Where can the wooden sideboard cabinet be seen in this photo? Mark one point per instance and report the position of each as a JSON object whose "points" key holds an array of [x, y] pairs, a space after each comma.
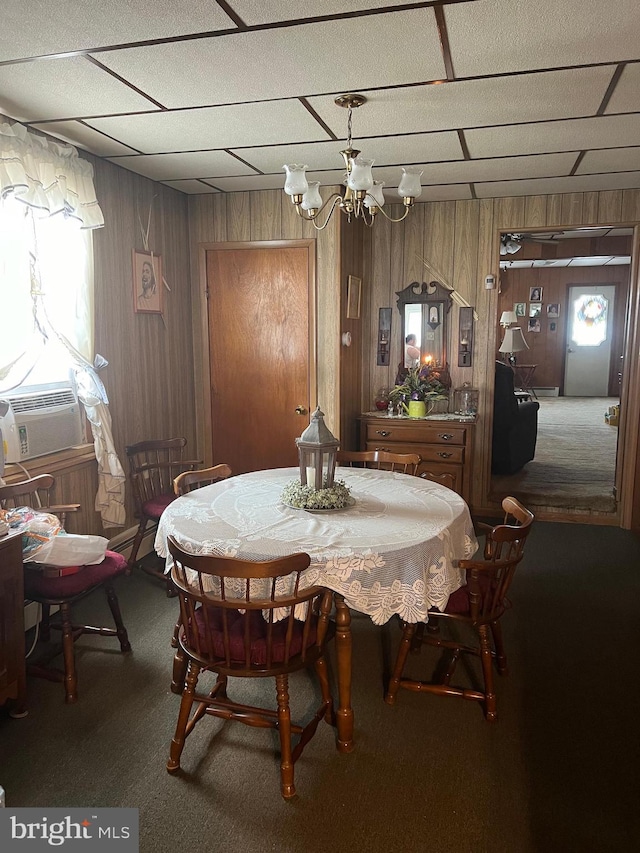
{"points": [[13, 684], [445, 446]]}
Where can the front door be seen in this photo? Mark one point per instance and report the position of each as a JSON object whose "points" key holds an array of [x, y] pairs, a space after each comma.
{"points": [[590, 322], [260, 319]]}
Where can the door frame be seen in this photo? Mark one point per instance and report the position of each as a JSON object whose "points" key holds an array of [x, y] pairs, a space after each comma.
{"points": [[204, 426]]}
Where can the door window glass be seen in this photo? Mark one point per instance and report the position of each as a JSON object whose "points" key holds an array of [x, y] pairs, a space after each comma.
{"points": [[590, 319]]}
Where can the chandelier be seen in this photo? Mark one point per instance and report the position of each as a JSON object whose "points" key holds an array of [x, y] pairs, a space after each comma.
{"points": [[362, 197]]}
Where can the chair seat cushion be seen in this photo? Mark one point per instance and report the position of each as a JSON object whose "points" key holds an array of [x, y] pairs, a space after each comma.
{"points": [[459, 603], [156, 506], [258, 634], [37, 585]]}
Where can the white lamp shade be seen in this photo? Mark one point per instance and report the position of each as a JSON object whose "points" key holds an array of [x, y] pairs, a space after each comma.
{"points": [[507, 318], [312, 200], [360, 177], [513, 340], [296, 181], [409, 186], [375, 196]]}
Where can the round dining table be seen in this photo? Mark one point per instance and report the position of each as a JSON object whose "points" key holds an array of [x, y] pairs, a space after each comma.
{"points": [[394, 550]]}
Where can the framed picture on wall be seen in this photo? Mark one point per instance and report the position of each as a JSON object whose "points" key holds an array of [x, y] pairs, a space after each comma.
{"points": [[553, 326], [534, 325], [147, 283], [535, 310], [520, 309], [354, 297], [553, 309], [535, 294]]}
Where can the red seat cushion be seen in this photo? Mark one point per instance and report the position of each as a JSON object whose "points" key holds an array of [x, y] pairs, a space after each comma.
{"points": [[156, 506], [36, 585], [258, 633], [458, 602]]}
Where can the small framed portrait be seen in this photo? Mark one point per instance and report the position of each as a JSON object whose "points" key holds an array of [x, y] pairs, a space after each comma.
{"points": [[553, 326], [553, 309], [534, 325], [535, 294], [147, 283], [535, 310], [354, 297], [520, 309]]}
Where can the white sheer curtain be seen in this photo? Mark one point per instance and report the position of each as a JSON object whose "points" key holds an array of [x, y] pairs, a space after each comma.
{"points": [[48, 208]]}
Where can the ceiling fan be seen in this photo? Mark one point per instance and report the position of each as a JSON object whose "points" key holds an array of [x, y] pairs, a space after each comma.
{"points": [[512, 243]]}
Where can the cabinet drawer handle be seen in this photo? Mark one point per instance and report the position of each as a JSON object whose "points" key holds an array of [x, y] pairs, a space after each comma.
{"points": [[444, 454], [445, 436], [383, 432], [383, 448]]}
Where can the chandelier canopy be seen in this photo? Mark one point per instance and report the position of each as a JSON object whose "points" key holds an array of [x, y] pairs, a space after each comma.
{"points": [[362, 197]]}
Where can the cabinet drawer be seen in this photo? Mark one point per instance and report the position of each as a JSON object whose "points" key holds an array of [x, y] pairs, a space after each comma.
{"points": [[432, 434], [453, 454]]}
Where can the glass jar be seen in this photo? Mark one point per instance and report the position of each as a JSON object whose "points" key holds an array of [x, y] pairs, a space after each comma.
{"points": [[382, 399], [465, 400]]}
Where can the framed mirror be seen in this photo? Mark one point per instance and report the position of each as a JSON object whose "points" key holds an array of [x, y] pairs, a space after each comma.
{"points": [[424, 310]]}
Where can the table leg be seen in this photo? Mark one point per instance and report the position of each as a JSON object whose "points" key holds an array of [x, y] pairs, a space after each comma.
{"points": [[344, 716]]}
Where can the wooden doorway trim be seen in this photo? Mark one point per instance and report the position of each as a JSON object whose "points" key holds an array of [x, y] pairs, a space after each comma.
{"points": [[204, 426], [628, 443]]}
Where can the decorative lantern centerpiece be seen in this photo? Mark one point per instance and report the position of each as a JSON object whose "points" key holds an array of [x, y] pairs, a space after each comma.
{"points": [[316, 488]]}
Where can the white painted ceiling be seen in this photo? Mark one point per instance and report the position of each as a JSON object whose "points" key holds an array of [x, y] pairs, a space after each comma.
{"points": [[492, 98]]}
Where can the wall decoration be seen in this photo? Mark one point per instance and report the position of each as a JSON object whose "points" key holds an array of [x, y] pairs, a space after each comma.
{"points": [[535, 310], [520, 309], [553, 309], [553, 327], [354, 297], [535, 294], [147, 283], [384, 335], [534, 325], [465, 343]]}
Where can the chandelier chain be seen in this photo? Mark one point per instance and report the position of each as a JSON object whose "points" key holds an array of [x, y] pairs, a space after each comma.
{"points": [[349, 127]]}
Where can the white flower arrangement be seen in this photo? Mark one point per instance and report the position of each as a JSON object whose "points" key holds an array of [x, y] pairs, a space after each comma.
{"points": [[304, 497]]}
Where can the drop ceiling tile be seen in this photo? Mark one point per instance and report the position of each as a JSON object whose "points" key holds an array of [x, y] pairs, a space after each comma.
{"points": [[326, 155], [496, 36], [190, 187], [193, 164], [547, 186], [254, 12], [285, 62], [499, 169], [443, 192], [473, 103], [63, 88], [244, 184], [77, 133], [626, 95], [613, 160], [213, 127], [542, 137], [94, 23]]}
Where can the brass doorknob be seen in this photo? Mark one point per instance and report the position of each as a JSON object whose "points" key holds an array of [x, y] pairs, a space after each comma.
{"points": [[300, 410]]}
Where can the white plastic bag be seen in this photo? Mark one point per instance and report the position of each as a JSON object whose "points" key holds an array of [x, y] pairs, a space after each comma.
{"points": [[70, 549]]}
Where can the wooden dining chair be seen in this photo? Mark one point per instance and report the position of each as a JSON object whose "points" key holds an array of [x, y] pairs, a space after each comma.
{"points": [[50, 587], [237, 620], [476, 607], [190, 480], [406, 463], [153, 466]]}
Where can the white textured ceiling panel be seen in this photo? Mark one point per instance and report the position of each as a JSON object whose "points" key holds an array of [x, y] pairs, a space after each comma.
{"points": [[216, 127], [546, 186], [63, 88], [76, 133], [542, 137], [410, 149], [473, 103], [626, 96], [190, 187], [244, 184], [72, 25], [496, 36], [284, 62], [196, 164], [254, 12], [614, 160], [499, 169]]}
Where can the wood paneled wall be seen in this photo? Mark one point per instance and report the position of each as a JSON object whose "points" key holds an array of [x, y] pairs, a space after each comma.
{"points": [[267, 215], [460, 239]]}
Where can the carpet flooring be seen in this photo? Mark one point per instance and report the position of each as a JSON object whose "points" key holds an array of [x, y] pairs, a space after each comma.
{"points": [[574, 465], [558, 773]]}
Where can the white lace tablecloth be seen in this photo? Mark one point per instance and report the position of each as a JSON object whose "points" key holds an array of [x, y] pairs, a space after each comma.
{"points": [[394, 551]]}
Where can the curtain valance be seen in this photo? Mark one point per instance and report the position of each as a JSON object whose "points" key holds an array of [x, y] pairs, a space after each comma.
{"points": [[47, 176]]}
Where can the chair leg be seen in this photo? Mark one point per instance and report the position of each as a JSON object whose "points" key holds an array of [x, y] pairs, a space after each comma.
{"points": [[179, 672], [70, 678], [137, 542], [401, 659], [45, 627], [498, 642], [284, 728], [177, 744], [490, 707], [327, 698], [114, 606]]}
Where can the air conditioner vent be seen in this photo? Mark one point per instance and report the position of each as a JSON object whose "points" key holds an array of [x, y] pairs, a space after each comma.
{"points": [[33, 402]]}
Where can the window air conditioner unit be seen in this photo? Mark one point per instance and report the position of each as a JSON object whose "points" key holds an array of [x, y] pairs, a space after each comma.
{"points": [[40, 421]]}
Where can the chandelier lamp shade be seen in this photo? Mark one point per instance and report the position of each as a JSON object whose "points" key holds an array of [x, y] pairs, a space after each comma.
{"points": [[509, 244], [362, 197], [512, 343]]}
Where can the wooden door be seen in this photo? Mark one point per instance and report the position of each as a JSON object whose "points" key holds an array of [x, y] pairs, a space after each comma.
{"points": [[587, 364], [261, 349]]}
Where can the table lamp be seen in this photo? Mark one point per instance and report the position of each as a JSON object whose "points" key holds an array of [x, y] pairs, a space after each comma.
{"points": [[512, 343], [507, 318]]}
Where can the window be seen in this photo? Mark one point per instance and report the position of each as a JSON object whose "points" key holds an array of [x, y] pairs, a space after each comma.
{"points": [[590, 320]]}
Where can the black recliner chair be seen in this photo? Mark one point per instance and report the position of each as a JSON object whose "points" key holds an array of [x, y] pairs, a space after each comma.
{"points": [[515, 425]]}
